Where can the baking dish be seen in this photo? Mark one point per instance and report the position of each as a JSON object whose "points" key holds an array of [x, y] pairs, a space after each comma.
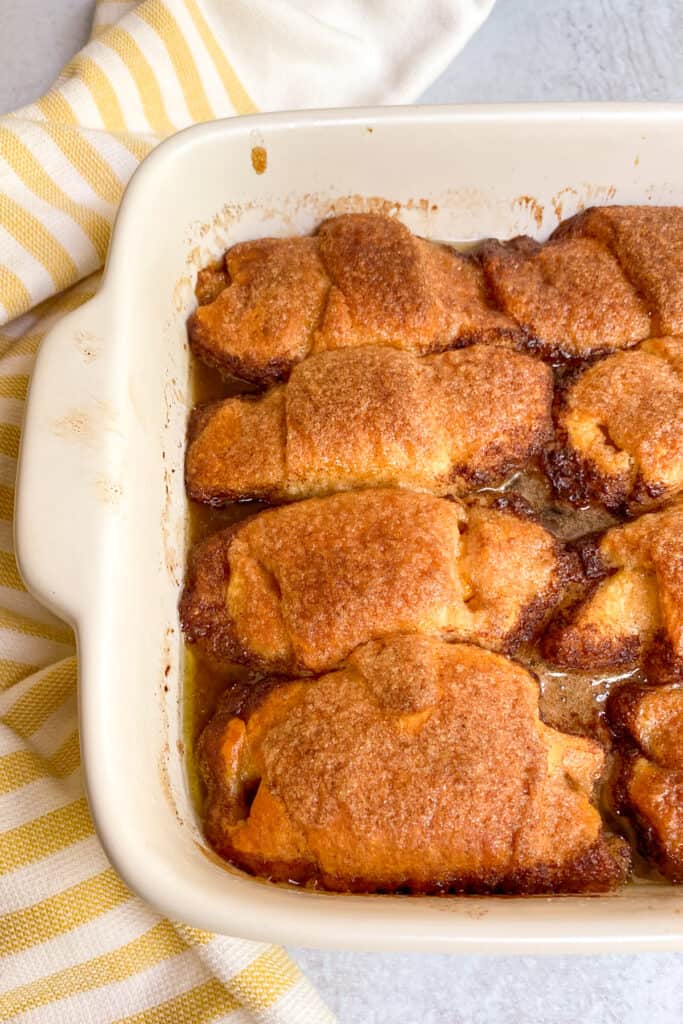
{"points": [[101, 512]]}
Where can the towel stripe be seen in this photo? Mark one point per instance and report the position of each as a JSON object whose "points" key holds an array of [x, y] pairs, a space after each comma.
{"points": [[22, 767], [6, 502], [123, 44], [27, 167], [62, 912], [99, 175], [164, 24], [14, 295], [34, 708], [159, 943], [104, 96], [9, 440], [9, 574], [45, 835], [38, 241], [14, 386], [60, 634], [12, 672], [266, 978], [236, 92], [205, 1002], [56, 109]]}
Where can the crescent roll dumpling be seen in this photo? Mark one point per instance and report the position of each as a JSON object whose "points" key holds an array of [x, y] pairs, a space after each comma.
{"points": [[419, 766], [297, 588], [375, 417], [633, 614], [648, 242], [570, 295], [649, 790], [621, 429], [364, 279]]}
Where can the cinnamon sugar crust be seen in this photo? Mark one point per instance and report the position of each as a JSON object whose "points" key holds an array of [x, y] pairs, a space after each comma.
{"points": [[262, 323], [375, 417], [338, 780], [648, 243], [570, 295], [296, 589]]}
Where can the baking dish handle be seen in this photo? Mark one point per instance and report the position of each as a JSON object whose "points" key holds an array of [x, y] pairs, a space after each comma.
{"points": [[68, 450]]}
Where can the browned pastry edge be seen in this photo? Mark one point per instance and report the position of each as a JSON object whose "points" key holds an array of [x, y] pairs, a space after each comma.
{"points": [[648, 842], [568, 226], [587, 874], [211, 280], [588, 651], [620, 706], [476, 478], [569, 571], [228, 366], [275, 371], [218, 640], [575, 480], [198, 418], [473, 479], [660, 663], [517, 504]]}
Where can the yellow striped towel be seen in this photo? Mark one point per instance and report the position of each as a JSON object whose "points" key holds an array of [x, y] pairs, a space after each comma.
{"points": [[75, 944]]}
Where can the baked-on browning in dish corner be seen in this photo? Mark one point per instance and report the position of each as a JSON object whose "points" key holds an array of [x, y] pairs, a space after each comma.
{"points": [[649, 788], [419, 766], [633, 611], [375, 417], [363, 279], [569, 295], [620, 429], [297, 588], [648, 242]]}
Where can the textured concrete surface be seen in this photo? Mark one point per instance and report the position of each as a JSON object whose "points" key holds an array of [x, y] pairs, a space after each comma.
{"points": [[528, 50]]}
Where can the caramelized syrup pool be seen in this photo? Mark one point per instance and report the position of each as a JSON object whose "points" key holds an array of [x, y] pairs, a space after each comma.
{"points": [[571, 701]]}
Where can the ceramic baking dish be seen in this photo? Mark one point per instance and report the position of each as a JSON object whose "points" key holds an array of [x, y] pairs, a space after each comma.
{"points": [[101, 512]]}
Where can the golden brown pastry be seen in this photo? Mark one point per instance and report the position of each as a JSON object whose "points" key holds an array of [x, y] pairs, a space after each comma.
{"points": [[375, 417], [419, 766], [569, 295], [296, 589], [649, 789], [648, 242], [633, 611], [364, 279], [620, 428]]}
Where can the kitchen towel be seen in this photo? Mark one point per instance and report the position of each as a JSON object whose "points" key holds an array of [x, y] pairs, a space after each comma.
{"points": [[75, 944]]}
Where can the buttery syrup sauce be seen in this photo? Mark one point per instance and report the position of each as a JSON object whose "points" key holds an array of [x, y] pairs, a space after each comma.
{"points": [[572, 702]]}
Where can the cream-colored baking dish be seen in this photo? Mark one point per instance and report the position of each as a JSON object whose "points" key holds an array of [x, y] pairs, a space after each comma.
{"points": [[101, 512]]}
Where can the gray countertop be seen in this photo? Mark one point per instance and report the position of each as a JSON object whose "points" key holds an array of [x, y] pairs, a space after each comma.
{"points": [[528, 50]]}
